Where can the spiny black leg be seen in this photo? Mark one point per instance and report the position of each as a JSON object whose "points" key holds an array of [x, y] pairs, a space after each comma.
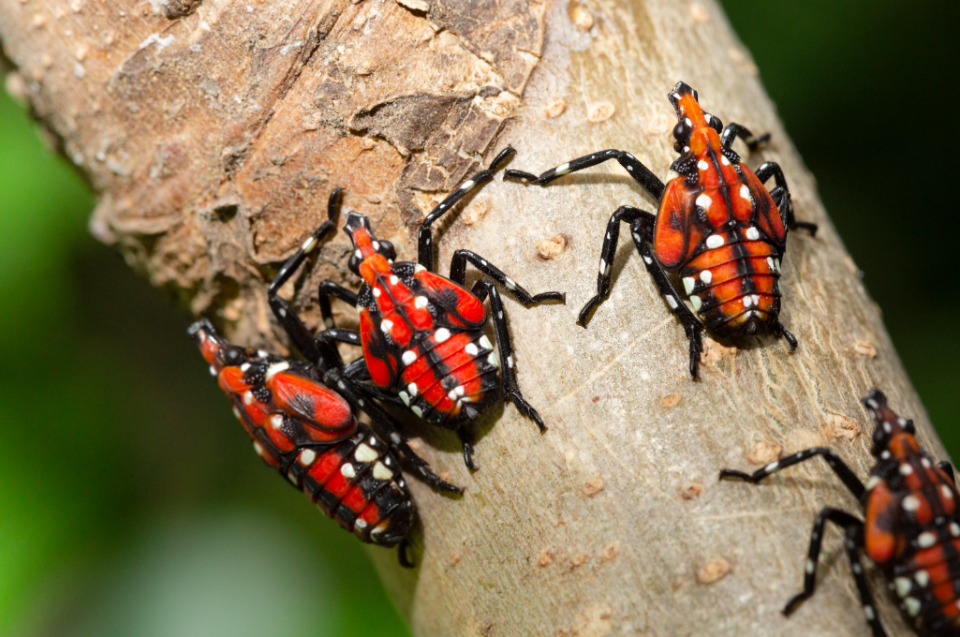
{"points": [[458, 274], [630, 215], [640, 173], [357, 369], [840, 518], [350, 337], [691, 324], [781, 195], [327, 289], [403, 553], [467, 442], [383, 421], [780, 330], [732, 131], [854, 541], [425, 239], [508, 375], [846, 475]]}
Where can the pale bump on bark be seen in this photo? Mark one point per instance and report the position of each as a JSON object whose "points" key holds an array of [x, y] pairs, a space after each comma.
{"points": [[213, 132]]}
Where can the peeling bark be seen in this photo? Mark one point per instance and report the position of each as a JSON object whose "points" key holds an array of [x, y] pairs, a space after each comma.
{"points": [[213, 133]]}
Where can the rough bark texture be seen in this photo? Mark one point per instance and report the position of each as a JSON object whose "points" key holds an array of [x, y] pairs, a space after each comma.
{"points": [[213, 132]]}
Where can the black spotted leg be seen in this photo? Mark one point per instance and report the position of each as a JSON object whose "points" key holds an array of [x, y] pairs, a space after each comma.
{"points": [[846, 475], [425, 238], [458, 274], [733, 130], [853, 539], [508, 373], [330, 289], [781, 196], [640, 173]]}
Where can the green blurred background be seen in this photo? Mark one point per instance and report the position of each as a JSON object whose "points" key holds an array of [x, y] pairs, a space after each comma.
{"points": [[131, 505]]}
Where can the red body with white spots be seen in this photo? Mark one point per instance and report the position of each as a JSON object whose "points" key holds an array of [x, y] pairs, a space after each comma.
{"points": [[912, 528], [309, 434], [719, 228], [422, 336]]}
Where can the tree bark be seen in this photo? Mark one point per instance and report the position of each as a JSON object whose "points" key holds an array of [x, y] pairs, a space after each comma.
{"points": [[213, 132]]}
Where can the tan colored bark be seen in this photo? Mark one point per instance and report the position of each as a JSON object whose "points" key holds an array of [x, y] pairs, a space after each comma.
{"points": [[213, 132]]}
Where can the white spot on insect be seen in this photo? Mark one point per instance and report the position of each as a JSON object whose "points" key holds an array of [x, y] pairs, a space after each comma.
{"points": [[672, 174], [510, 361], [245, 367], [925, 462], [745, 193], [307, 456], [309, 244], [328, 323], [706, 276], [884, 455], [377, 292], [871, 403], [857, 569], [395, 437], [922, 578], [696, 302], [471, 349], [868, 613], [381, 472], [236, 412], [213, 370], [672, 302], [467, 185], [348, 471], [910, 503], [747, 301], [485, 342], [511, 285], [409, 357], [771, 467], [647, 260], [947, 493], [603, 266], [702, 165], [365, 454], [258, 448], [493, 359], [405, 397], [386, 325], [873, 481], [276, 421], [688, 122], [905, 469], [420, 302], [441, 335], [341, 384], [926, 539], [756, 299], [358, 254], [419, 268], [715, 241], [811, 567], [689, 283], [955, 529], [360, 523], [562, 169], [724, 160], [275, 369], [413, 389], [887, 428], [247, 398], [752, 233], [913, 606], [704, 201], [292, 478], [417, 411]]}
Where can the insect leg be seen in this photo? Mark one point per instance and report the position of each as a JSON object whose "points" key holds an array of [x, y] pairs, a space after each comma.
{"points": [[466, 440], [425, 239], [327, 289], [381, 419], [854, 540], [780, 330], [732, 131], [840, 468], [947, 467], [640, 173], [458, 274], [781, 195], [642, 232], [508, 375], [627, 214], [404, 553]]}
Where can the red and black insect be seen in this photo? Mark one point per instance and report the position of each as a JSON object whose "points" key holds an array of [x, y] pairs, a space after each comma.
{"points": [[423, 334], [911, 528], [717, 227]]}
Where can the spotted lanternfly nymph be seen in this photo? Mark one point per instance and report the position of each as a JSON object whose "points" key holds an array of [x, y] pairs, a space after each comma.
{"points": [[911, 528], [423, 334], [717, 227]]}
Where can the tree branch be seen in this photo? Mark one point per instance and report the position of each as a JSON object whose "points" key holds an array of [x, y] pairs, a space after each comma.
{"points": [[214, 131]]}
